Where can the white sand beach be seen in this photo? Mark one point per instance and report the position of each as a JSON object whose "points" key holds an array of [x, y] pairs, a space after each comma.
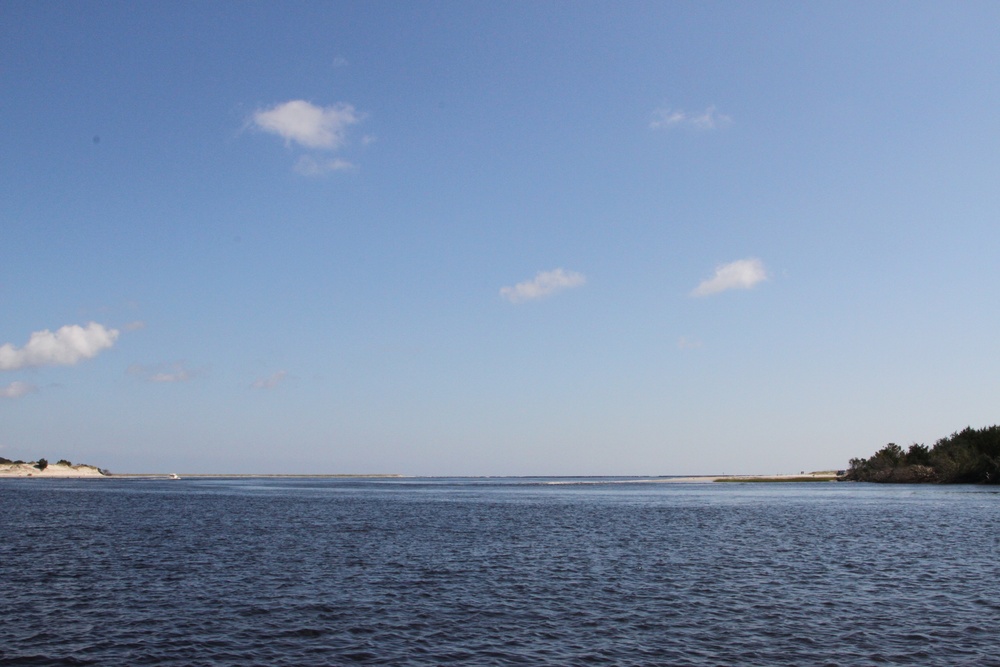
{"points": [[52, 470]]}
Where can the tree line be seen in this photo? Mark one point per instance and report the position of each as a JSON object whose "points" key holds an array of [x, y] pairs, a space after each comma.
{"points": [[970, 456]]}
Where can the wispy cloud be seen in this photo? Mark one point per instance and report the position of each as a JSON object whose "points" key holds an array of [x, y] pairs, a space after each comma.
{"points": [[741, 274], [17, 390], [169, 372], [271, 381], [709, 119], [137, 325], [310, 166], [545, 283], [308, 125], [685, 343], [67, 346]]}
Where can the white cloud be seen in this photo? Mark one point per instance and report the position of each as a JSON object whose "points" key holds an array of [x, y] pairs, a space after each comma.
{"points": [[543, 284], [271, 381], [178, 375], [67, 346], [307, 124], [741, 274], [709, 119], [310, 166], [173, 372], [17, 390], [685, 343]]}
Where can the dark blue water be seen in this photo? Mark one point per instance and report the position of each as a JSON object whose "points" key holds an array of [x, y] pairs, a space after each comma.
{"points": [[496, 572]]}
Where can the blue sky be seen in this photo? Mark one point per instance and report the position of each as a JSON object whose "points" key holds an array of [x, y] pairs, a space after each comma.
{"points": [[478, 238]]}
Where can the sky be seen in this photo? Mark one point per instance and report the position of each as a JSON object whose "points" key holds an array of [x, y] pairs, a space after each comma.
{"points": [[520, 238]]}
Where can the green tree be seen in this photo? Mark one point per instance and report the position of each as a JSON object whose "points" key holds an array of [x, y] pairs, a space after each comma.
{"points": [[968, 456], [42, 464], [890, 455], [918, 455]]}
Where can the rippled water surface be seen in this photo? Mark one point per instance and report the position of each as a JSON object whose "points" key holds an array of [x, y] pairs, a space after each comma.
{"points": [[496, 572]]}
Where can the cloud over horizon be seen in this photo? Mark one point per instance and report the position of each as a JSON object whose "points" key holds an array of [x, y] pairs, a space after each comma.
{"points": [[308, 125], [67, 346], [545, 283], [741, 274], [709, 119]]}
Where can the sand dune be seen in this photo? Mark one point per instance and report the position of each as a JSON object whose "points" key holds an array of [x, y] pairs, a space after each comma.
{"points": [[52, 470]]}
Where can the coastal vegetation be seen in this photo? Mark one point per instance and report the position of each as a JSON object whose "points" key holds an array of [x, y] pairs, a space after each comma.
{"points": [[970, 456], [41, 463]]}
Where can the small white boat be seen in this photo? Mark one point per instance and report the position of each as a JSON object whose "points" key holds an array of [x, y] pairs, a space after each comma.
{"points": [[174, 475]]}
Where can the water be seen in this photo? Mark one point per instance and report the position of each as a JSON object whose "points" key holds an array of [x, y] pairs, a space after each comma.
{"points": [[496, 572]]}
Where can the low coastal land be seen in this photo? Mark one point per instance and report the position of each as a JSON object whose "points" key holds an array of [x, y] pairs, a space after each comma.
{"points": [[819, 476], [60, 470], [68, 471], [64, 470]]}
